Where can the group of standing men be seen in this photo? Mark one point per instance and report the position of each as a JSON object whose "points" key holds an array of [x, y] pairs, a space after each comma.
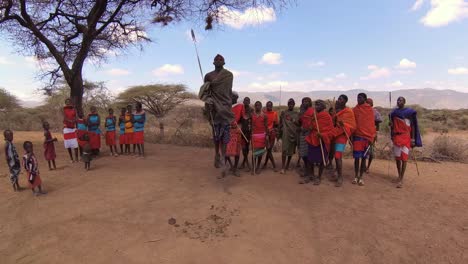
{"points": [[318, 135]]}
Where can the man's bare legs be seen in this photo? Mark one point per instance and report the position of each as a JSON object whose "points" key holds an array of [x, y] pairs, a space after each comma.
{"points": [[359, 169], [245, 160], [269, 157], [339, 171], [217, 159], [285, 160], [401, 167]]}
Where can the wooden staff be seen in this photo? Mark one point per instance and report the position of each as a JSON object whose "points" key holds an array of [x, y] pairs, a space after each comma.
{"points": [[320, 139], [415, 161], [252, 145]]}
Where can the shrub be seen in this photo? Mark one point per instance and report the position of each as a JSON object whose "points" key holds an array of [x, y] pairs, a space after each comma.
{"points": [[449, 148]]}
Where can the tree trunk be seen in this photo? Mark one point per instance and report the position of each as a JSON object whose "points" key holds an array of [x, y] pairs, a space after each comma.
{"points": [[161, 129], [76, 91]]}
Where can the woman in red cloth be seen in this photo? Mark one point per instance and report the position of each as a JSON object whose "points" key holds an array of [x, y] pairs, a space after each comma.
{"points": [[94, 133], [32, 171], [259, 130], [110, 132], [69, 129], [49, 148]]}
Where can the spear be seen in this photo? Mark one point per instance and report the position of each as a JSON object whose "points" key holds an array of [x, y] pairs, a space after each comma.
{"points": [[196, 50], [213, 131], [415, 161], [391, 128]]}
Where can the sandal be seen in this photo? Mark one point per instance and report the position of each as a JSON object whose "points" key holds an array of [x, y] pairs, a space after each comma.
{"points": [[304, 181], [361, 182]]}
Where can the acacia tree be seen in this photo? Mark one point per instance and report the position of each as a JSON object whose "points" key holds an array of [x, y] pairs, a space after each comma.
{"points": [[158, 99], [8, 102], [66, 32]]}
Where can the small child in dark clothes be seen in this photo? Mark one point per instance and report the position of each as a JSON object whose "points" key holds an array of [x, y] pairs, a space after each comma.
{"points": [[87, 151]]}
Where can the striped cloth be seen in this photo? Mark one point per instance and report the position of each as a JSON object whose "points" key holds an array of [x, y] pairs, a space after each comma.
{"points": [[69, 138]]}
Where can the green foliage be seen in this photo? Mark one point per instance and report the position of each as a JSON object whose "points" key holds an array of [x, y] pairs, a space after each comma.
{"points": [[7, 101]]}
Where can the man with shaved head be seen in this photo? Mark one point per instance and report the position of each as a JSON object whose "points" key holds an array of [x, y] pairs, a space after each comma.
{"points": [[216, 92], [363, 136], [288, 134], [405, 135]]}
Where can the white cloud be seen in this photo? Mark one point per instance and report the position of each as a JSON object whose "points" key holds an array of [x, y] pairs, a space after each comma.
{"points": [[271, 58], [406, 64], [249, 17], [304, 86], [396, 84], [316, 64], [168, 69], [328, 80], [341, 76], [458, 71], [376, 73], [237, 73], [444, 12], [417, 5], [5, 61], [117, 72]]}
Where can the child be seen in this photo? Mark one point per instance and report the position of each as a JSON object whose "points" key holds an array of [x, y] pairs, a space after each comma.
{"points": [[122, 139], [31, 167], [12, 159], [86, 152], [49, 148], [110, 132]]}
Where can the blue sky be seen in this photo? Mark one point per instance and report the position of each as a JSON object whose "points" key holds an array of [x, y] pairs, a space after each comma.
{"points": [[313, 45]]}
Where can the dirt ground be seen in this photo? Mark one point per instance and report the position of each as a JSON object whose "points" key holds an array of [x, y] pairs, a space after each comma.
{"points": [[119, 212]]}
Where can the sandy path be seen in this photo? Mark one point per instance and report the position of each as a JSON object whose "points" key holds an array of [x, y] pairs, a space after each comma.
{"points": [[119, 211]]}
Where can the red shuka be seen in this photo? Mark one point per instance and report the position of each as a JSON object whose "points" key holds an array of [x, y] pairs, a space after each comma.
{"points": [[69, 113], [365, 125]]}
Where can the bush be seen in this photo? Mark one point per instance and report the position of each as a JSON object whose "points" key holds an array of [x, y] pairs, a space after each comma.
{"points": [[449, 148]]}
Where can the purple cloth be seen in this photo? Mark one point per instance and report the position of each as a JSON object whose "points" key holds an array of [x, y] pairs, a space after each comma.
{"points": [[410, 114], [314, 154]]}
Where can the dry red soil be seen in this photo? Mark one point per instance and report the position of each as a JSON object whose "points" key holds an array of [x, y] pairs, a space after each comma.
{"points": [[121, 210]]}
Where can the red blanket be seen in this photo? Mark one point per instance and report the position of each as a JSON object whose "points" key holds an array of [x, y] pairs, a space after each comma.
{"points": [[365, 125], [272, 119], [69, 114], [325, 125], [349, 123]]}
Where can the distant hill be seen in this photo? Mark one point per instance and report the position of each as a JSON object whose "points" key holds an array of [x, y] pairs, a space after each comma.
{"points": [[427, 98]]}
